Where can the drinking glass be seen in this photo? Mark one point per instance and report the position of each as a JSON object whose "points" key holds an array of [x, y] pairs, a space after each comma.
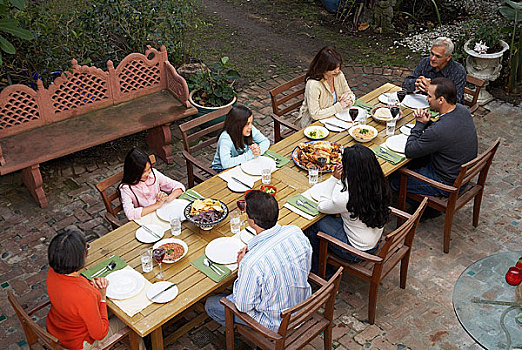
{"points": [[401, 94], [146, 260], [266, 176], [313, 174], [362, 119], [390, 127], [175, 226], [241, 205], [354, 112], [394, 110], [321, 161], [158, 254], [235, 222]]}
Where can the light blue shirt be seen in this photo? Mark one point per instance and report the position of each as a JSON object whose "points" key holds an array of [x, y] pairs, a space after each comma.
{"points": [[334, 97], [227, 156], [273, 275]]}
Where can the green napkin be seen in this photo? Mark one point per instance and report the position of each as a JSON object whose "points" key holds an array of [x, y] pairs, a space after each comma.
{"points": [[389, 156], [282, 160], [304, 208], [189, 194], [120, 264], [363, 105], [198, 264]]}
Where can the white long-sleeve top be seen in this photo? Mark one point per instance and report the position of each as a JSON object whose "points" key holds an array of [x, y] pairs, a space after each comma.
{"points": [[333, 201]]}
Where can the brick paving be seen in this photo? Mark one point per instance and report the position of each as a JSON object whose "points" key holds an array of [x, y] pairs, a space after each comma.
{"points": [[419, 317]]}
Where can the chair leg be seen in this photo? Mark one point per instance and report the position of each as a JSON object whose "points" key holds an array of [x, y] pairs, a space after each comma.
{"points": [[448, 221], [277, 131], [328, 336], [229, 329], [190, 174], [372, 303], [404, 269], [476, 207]]}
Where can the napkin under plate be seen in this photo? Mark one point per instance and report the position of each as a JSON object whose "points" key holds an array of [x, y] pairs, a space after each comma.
{"points": [[198, 264], [282, 161], [132, 306], [390, 156], [120, 264]]}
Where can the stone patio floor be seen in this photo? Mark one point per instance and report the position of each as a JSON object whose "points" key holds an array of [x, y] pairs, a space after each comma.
{"points": [[419, 317]]}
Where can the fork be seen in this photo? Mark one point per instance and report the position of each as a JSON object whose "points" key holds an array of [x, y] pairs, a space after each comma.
{"points": [[277, 160], [305, 204]]}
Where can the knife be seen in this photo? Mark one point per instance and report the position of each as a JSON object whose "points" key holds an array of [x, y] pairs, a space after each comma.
{"points": [[273, 157], [333, 125], [241, 182], [150, 231], [191, 196], [314, 205], [164, 290]]}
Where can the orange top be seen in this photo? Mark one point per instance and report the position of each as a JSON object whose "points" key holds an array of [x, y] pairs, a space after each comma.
{"points": [[76, 313]]}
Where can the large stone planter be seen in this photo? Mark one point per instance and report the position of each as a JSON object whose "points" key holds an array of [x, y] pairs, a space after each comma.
{"points": [[202, 110], [484, 66]]}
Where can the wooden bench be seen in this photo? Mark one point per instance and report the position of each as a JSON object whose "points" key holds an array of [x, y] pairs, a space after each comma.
{"points": [[86, 107]]}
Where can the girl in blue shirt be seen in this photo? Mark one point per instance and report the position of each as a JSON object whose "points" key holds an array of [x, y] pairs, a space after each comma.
{"points": [[240, 141]]}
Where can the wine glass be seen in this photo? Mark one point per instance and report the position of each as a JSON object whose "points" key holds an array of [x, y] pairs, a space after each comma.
{"points": [[158, 254], [321, 161], [241, 205], [354, 112], [401, 94], [394, 111]]}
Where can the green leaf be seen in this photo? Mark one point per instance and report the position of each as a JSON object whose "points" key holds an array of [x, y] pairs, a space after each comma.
{"points": [[19, 4], [233, 75], [1, 62], [224, 60], [11, 27], [6, 46], [509, 13], [515, 5]]}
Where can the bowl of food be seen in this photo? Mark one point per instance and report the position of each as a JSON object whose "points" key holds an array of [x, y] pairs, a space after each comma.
{"points": [[316, 132], [175, 249], [363, 133], [383, 114], [269, 189], [206, 213]]}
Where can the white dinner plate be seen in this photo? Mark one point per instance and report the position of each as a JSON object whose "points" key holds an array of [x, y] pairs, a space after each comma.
{"points": [[164, 297], [397, 143], [345, 115], [245, 236], [335, 124], [124, 284], [235, 186], [172, 240], [223, 250], [383, 98], [256, 165], [415, 101], [406, 129], [171, 210], [145, 237]]}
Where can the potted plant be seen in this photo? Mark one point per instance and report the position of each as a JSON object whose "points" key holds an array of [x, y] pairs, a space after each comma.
{"points": [[485, 50], [213, 89]]}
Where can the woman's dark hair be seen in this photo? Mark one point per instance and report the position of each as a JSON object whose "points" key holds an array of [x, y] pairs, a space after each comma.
{"points": [[235, 121], [262, 208], [67, 252], [135, 162], [327, 59], [369, 194], [445, 88]]}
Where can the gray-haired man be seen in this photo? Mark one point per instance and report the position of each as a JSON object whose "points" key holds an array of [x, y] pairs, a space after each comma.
{"points": [[438, 64]]}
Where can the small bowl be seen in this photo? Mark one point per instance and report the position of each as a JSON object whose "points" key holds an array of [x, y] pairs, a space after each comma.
{"points": [[357, 138], [383, 120], [266, 188]]}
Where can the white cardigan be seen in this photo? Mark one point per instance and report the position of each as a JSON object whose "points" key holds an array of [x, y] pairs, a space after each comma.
{"points": [[333, 201]]}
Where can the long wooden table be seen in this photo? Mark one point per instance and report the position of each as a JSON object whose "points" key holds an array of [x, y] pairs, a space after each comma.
{"points": [[193, 285]]}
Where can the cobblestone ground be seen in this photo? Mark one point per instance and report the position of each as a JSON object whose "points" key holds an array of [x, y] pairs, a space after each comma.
{"points": [[419, 317]]}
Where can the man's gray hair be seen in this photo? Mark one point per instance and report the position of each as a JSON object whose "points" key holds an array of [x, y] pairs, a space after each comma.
{"points": [[446, 42]]}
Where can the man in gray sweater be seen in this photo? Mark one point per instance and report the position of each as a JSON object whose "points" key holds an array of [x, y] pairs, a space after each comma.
{"points": [[445, 144]]}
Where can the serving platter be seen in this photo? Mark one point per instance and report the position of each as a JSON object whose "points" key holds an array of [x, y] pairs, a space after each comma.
{"points": [[302, 166]]}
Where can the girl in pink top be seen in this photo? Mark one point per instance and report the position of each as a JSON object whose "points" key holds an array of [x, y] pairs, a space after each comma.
{"points": [[144, 189]]}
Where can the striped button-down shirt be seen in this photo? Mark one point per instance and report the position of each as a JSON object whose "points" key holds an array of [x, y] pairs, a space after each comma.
{"points": [[273, 275]]}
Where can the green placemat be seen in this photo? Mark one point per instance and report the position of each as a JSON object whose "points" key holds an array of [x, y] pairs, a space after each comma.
{"points": [[304, 208], [389, 156], [189, 195], [280, 162], [363, 105], [198, 264], [120, 264]]}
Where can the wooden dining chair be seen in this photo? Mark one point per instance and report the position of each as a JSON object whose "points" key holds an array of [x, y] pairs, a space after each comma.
{"points": [[473, 92], [286, 98], [458, 194], [111, 196], [37, 336], [300, 324], [395, 247], [197, 134]]}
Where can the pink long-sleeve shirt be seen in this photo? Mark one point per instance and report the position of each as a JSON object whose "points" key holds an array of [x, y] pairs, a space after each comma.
{"points": [[145, 192]]}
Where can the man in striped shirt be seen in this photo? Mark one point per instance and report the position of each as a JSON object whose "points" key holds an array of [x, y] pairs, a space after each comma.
{"points": [[273, 268]]}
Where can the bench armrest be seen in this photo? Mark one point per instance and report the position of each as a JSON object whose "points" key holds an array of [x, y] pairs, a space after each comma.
{"points": [[177, 85]]}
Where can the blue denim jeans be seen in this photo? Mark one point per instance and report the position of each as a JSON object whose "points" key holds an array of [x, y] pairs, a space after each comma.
{"points": [[416, 186], [332, 226], [216, 310]]}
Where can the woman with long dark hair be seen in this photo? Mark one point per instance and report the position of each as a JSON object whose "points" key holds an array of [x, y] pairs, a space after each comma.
{"points": [[144, 189], [326, 91], [359, 192], [240, 140]]}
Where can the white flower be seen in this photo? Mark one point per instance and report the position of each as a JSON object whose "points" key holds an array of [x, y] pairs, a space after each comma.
{"points": [[481, 48]]}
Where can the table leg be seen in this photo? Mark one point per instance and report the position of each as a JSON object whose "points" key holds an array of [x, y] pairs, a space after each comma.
{"points": [[134, 340], [156, 338]]}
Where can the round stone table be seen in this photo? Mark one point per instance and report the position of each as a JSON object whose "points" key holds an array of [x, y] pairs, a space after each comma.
{"points": [[485, 279]]}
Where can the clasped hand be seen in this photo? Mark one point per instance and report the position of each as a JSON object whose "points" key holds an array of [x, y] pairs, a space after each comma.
{"points": [[256, 151], [346, 100], [422, 115], [422, 83]]}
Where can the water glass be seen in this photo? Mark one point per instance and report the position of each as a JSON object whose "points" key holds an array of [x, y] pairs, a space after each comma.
{"points": [[266, 176], [390, 127], [235, 222], [362, 119], [175, 226], [146, 259], [313, 174]]}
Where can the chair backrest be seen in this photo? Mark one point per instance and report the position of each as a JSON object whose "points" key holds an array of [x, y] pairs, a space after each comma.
{"points": [[480, 165], [474, 93], [32, 330], [195, 133], [110, 193], [292, 96], [294, 317]]}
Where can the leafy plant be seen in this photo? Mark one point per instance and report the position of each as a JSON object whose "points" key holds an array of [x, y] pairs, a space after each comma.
{"points": [[512, 11], [487, 34], [214, 87], [9, 25]]}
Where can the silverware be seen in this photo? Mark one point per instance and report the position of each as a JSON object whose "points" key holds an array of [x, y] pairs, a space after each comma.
{"points": [[214, 268], [191, 196], [250, 230], [110, 266], [151, 232], [333, 125], [241, 182], [277, 160], [408, 126], [304, 204], [164, 290], [310, 203]]}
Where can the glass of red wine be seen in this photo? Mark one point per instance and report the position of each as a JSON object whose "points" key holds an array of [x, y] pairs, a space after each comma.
{"points": [[401, 94], [241, 205], [354, 112], [394, 111], [158, 254]]}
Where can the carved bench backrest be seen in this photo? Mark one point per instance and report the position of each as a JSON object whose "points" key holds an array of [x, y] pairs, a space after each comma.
{"points": [[19, 110]]}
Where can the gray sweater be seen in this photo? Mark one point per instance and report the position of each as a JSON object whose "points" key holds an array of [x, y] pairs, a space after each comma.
{"points": [[450, 142]]}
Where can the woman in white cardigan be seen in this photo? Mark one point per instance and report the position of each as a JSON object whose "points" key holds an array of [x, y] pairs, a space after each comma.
{"points": [[359, 192], [326, 91]]}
